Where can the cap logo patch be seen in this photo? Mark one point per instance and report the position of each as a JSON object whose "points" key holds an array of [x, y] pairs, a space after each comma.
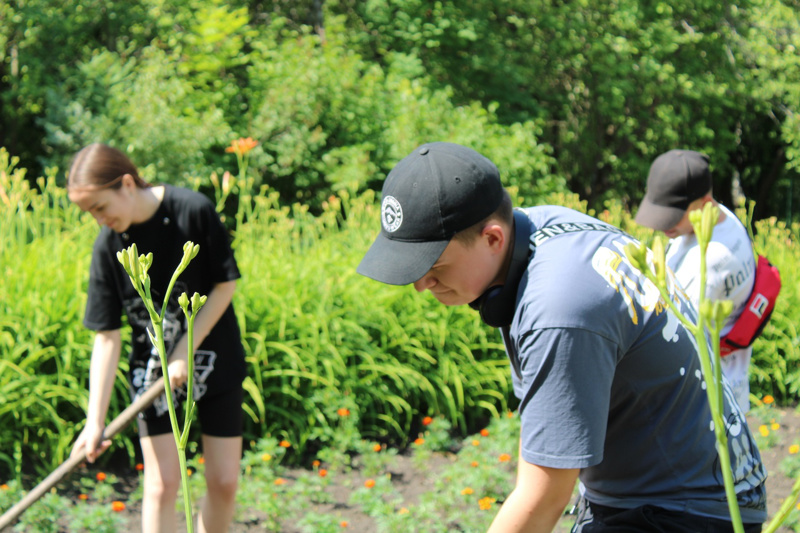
{"points": [[391, 214]]}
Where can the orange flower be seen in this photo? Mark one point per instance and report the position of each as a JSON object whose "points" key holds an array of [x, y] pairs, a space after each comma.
{"points": [[117, 506], [315, 463], [504, 457], [419, 441], [369, 483], [280, 481], [768, 399], [473, 464], [189, 472], [284, 444], [83, 497], [484, 432], [323, 472], [510, 414], [241, 146], [486, 503], [139, 467], [342, 411], [427, 421], [101, 476], [3, 487], [377, 448], [467, 491], [201, 460], [794, 448], [344, 523], [476, 442]]}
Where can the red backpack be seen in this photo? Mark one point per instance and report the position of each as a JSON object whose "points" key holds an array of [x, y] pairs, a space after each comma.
{"points": [[758, 310]]}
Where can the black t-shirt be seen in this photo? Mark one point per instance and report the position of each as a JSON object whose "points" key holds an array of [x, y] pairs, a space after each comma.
{"points": [[183, 215]]}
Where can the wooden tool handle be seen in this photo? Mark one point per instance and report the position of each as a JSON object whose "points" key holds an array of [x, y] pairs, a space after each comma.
{"points": [[113, 429]]}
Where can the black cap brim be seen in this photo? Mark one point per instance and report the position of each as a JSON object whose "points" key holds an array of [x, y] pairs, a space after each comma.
{"points": [[658, 217], [399, 262]]}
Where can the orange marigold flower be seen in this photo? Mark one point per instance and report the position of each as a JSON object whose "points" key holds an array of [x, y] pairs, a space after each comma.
{"points": [[504, 458], [476, 442], [139, 467], [467, 491], [83, 497], [280, 481], [344, 523], [3, 487], [484, 432], [403, 510], [342, 411], [101, 476], [369, 483], [794, 448], [201, 460], [284, 444], [427, 421], [241, 146], [768, 399], [117, 506], [419, 441], [189, 472], [510, 414], [323, 472], [486, 503], [473, 464], [315, 463], [377, 448]]}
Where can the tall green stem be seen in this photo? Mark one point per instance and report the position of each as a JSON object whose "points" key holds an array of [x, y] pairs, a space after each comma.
{"points": [[137, 267]]}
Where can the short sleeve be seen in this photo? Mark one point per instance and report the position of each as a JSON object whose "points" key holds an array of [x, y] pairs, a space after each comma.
{"points": [[565, 389], [103, 303], [223, 266]]}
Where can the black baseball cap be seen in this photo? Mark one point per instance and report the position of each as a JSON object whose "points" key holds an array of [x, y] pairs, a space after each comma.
{"points": [[676, 179], [433, 193]]}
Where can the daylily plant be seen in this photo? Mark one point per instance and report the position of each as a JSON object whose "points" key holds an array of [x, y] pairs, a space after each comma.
{"points": [[137, 266]]}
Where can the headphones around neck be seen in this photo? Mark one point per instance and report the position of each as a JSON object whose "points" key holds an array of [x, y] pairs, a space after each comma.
{"points": [[497, 305]]}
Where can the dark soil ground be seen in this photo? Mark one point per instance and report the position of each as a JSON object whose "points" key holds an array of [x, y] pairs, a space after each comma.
{"points": [[413, 482]]}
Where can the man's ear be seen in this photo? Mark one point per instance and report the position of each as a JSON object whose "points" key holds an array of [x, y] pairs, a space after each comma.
{"points": [[495, 236]]}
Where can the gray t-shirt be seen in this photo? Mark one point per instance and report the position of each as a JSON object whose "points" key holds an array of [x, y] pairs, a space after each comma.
{"points": [[610, 381]]}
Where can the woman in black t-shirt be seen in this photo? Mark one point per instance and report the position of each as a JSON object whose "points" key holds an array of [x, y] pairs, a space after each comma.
{"points": [[160, 219]]}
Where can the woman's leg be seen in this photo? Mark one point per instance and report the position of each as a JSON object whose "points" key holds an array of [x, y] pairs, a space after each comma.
{"points": [[162, 478], [222, 463]]}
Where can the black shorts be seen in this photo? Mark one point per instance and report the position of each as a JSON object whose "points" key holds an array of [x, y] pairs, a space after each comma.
{"points": [[220, 415], [648, 519]]}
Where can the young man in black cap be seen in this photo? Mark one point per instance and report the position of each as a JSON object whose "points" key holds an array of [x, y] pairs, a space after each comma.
{"points": [[609, 381], [680, 182]]}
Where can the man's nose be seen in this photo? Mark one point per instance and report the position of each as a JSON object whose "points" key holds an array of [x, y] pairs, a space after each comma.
{"points": [[425, 282]]}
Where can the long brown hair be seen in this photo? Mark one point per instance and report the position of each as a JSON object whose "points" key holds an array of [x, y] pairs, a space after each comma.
{"points": [[99, 166]]}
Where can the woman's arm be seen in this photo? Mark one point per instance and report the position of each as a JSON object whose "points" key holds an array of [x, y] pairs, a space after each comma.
{"points": [[102, 373], [218, 301]]}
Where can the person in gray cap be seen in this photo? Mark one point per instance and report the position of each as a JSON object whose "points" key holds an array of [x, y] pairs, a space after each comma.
{"points": [[680, 182], [608, 379]]}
